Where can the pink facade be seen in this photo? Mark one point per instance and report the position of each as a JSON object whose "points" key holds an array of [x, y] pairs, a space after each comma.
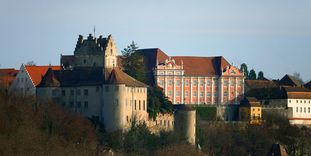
{"points": [[199, 86]]}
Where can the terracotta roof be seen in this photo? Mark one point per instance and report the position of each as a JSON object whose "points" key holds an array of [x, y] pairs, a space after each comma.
{"points": [[117, 76], [289, 80], [250, 102], [194, 66], [37, 72], [49, 80], [202, 66], [7, 76]]}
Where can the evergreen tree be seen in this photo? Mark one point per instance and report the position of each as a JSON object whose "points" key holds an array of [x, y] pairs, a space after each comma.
{"points": [[244, 69], [133, 65], [132, 62], [252, 75], [260, 76]]}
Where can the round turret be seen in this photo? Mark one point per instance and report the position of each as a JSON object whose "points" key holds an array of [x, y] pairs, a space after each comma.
{"points": [[185, 123]]}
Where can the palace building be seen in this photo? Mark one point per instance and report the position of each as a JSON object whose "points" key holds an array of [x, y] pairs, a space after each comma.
{"points": [[194, 80]]}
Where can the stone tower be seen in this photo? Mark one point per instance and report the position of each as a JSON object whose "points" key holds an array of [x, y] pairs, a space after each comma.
{"points": [[185, 124], [92, 52]]}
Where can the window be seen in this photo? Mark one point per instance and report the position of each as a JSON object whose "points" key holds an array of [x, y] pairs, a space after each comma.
{"points": [[144, 105], [86, 92], [169, 82], [195, 82], [215, 94], [195, 93], [97, 88], [186, 93], [290, 101], [209, 94], [135, 104], [84, 61], [127, 119], [297, 109], [63, 92], [225, 93], [177, 93], [304, 110], [78, 104], [300, 109], [202, 94], [86, 104], [208, 82], [71, 104], [71, 92], [169, 93], [78, 92], [187, 83], [202, 82], [139, 105], [225, 82], [308, 109], [161, 82], [107, 88], [178, 82], [232, 83]]}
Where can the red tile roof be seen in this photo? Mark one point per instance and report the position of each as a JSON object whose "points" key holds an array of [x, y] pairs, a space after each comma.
{"points": [[194, 66], [202, 66], [7, 76], [37, 72]]}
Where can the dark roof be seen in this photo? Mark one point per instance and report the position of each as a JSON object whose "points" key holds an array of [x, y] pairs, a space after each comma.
{"points": [[308, 85], [81, 76], [256, 84], [289, 80], [67, 60], [49, 79], [250, 102], [117, 76]]}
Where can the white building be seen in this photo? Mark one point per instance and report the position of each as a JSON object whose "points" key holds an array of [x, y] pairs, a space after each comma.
{"points": [[28, 78], [299, 99]]}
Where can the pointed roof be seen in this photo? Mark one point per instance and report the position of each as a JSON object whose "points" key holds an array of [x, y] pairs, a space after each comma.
{"points": [[49, 79], [117, 76], [289, 80], [36, 73]]}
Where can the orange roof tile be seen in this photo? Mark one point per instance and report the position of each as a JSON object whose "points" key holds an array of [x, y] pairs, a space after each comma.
{"points": [[37, 72]]}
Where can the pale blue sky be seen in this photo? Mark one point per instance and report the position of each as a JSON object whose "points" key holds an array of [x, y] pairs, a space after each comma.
{"points": [[269, 35]]}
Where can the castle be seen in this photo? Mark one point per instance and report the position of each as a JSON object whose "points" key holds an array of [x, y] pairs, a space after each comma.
{"points": [[91, 83]]}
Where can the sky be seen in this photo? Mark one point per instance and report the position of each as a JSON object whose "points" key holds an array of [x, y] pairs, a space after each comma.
{"points": [[273, 36]]}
